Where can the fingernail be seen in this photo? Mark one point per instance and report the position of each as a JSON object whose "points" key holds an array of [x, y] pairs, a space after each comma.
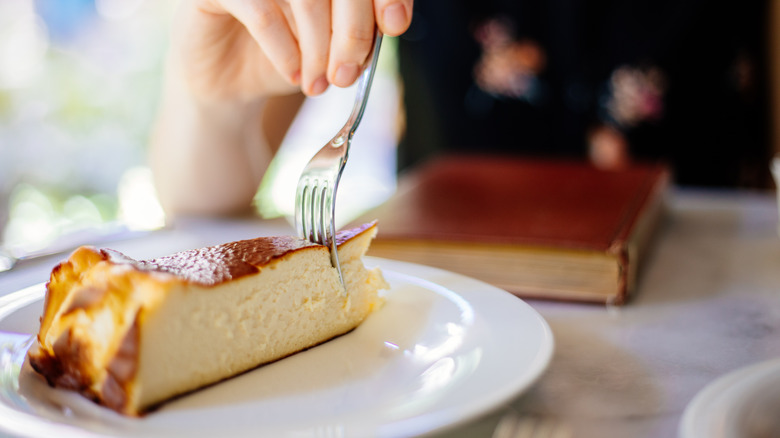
{"points": [[395, 18], [319, 86], [346, 75]]}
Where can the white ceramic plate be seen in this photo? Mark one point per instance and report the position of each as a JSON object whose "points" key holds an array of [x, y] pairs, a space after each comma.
{"points": [[442, 350], [741, 404]]}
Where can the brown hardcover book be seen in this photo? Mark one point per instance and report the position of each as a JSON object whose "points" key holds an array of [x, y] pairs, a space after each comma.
{"points": [[540, 229]]}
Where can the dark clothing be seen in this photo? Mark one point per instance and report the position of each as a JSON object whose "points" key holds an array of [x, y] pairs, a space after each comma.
{"points": [[700, 68]]}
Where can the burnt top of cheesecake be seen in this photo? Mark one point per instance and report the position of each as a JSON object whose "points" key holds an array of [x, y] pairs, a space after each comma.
{"points": [[213, 265]]}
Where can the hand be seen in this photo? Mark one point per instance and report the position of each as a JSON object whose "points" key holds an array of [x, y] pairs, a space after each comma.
{"points": [[243, 49]]}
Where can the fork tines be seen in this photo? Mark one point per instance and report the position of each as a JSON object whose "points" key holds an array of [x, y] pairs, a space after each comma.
{"points": [[316, 224]]}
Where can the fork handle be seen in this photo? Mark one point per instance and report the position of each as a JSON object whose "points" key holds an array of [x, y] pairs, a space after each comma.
{"points": [[363, 88]]}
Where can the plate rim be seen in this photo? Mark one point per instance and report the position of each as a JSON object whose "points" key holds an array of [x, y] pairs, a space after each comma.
{"points": [[713, 392], [515, 384]]}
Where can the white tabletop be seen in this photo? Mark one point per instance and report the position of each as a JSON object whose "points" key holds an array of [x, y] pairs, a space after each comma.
{"points": [[707, 304]]}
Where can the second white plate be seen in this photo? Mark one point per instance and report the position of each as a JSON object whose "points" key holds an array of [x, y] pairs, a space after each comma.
{"points": [[740, 404], [442, 350]]}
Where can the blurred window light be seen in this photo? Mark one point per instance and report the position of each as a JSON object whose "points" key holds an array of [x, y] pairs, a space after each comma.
{"points": [[41, 220], [79, 83], [32, 222], [117, 9], [82, 211], [24, 41], [65, 18], [139, 208]]}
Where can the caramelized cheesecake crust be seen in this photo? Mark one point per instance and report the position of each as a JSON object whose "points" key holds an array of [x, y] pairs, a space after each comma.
{"points": [[100, 305]]}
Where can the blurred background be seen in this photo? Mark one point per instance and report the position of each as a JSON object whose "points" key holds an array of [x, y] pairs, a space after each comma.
{"points": [[80, 79], [79, 84]]}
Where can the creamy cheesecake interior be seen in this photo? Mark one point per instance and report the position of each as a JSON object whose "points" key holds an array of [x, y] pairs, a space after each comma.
{"points": [[132, 334]]}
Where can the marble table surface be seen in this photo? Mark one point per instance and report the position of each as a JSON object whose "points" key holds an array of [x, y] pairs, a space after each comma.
{"points": [[707, 304]]}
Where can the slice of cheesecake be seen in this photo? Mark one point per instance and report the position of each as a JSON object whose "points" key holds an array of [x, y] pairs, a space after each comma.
{"points": [[132, 334]]}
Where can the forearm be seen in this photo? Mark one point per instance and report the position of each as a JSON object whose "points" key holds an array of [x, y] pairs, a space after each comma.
{"points": [[218, 125], [207, 157]]}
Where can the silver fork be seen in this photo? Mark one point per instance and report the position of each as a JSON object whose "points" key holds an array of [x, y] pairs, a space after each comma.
{"points": [[315, 198]]}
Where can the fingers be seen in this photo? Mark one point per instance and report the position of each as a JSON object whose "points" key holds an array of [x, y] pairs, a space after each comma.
{"points": [[317, 42], [353, 35], [267, 23], [313, 23], [393, 16]]}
